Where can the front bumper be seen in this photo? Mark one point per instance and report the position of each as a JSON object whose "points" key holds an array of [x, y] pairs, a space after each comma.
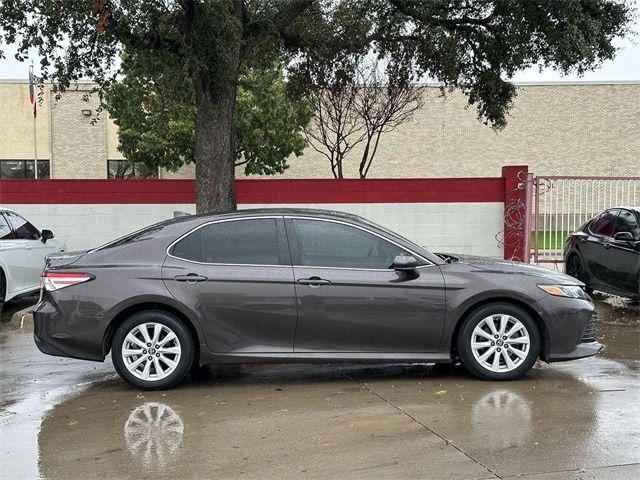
{"points": [[570, 326], [582, 350]]}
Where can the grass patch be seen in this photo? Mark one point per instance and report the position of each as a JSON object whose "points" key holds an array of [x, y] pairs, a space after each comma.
{"points": [[549, 239]]}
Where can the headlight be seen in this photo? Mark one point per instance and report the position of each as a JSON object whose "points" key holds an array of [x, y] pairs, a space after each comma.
{"points": [[570, 291]]}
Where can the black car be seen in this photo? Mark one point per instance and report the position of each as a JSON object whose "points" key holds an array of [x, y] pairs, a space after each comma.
{"points": [[605, 252]]}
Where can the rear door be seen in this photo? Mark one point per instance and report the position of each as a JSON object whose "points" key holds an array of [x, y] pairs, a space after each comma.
{"points": [[236, 276], [350, 300]]}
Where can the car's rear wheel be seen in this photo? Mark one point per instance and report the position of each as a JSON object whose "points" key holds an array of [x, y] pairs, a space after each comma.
{"points": [[153, 350], [575, 269], [499, 341]]}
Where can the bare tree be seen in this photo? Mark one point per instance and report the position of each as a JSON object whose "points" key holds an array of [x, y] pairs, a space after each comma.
{"points": [[383, 103], [356, 99], [335, 126]]}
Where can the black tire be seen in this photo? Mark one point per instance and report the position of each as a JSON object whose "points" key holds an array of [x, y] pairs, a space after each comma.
{"points": [[3, 289], [466, 335], [184, 343], [575, 268]]}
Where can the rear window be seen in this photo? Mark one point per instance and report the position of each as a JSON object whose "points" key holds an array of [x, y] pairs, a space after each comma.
{"points": [[135, 236]]}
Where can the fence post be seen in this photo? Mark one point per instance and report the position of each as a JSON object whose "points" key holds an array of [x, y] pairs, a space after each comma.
{"points": [[515, 210]]}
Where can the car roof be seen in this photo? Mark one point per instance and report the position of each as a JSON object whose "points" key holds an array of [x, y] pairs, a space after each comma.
{"points": [[623, 207], [310, 212]]}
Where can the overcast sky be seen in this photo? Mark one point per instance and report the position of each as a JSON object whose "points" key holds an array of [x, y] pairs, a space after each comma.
{"points": [[625, 66]]}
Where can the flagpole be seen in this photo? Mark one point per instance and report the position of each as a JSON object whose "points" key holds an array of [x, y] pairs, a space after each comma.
{"points": [[35, 139]]}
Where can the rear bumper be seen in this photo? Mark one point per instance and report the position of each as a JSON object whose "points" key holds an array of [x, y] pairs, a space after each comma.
{"points": [[582, 350], [67, 331], [47, 348]]}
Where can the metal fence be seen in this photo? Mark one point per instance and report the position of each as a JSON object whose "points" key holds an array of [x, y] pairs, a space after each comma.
{"points": [[559, 205]]}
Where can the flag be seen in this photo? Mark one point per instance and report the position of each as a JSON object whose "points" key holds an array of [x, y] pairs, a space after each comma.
{"points": [[32, 88]]}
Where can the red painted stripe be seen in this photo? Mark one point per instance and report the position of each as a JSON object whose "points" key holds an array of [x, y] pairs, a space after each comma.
{"points": [[419, 190]]}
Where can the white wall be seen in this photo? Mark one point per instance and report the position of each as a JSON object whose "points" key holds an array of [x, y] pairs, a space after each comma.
{"points": [[469, 228]]}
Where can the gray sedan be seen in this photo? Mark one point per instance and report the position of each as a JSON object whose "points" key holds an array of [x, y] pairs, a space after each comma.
{"points": [[294, 285]]}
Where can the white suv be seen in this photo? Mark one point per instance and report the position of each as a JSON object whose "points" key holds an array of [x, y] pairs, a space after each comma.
{"points": [[22, 251]]}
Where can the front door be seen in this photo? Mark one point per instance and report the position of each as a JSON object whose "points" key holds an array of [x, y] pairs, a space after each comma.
{"points": [[34, 249], [237, 279], [621, 260], [12, 259], [593, 249], [350, 300]]}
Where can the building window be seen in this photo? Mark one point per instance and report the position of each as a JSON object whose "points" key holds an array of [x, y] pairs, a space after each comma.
{"points": [[126, 169], [23, 169]]}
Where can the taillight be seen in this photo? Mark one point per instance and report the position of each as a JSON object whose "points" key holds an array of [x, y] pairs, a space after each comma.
{"points": [[52, 281]]}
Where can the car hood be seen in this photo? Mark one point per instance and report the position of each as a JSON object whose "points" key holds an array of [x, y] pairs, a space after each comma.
{"points": [[494, 265]]}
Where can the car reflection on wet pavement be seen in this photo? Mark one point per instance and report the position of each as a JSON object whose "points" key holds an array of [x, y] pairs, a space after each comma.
{"points": [[66, 419]]}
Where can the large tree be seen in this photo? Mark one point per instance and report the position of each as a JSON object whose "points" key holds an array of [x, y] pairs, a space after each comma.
{"points": [[474, 45], [155, 111]]}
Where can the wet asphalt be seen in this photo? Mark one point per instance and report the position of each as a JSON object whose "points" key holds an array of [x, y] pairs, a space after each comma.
{"points": [[68, 419]]}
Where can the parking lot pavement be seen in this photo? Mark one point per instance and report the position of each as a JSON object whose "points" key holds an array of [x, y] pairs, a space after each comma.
{"points": [[66, 419]]}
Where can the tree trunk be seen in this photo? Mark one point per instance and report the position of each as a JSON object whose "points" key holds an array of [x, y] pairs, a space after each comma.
{"points": [[215, 151]]}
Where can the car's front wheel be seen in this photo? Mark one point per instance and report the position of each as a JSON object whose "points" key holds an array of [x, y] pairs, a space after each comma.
{"points": [[575, 269], [153, 350], [499, 341]]}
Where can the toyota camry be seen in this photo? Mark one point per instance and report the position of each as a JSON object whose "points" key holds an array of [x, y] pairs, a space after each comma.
{"points": [[295, 285]]}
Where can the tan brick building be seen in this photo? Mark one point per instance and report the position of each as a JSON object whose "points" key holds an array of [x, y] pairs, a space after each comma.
{"points": [[555, 128]]}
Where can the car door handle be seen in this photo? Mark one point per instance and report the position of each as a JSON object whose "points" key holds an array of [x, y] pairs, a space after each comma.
{"points": [[314, 281], [190, 278], [607, 245]]}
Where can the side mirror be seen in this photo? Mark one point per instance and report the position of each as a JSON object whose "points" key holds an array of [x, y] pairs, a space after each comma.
{"points": [[405, 263], [623, 237], [46, 235]]}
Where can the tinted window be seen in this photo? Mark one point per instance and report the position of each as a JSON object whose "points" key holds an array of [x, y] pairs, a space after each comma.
{"points": [[245, 242], [328, 244], [22, 229], [603, 225], [135, 236], [5, 230], [23, 169], [626, 222], [125, 169]]}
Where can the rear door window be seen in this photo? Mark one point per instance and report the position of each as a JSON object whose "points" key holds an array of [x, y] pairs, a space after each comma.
{"points": [[238, 242]]}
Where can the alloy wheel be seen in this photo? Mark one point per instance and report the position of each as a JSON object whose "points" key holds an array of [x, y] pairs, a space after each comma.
{"points": [[500, 343], [151, 351]]}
